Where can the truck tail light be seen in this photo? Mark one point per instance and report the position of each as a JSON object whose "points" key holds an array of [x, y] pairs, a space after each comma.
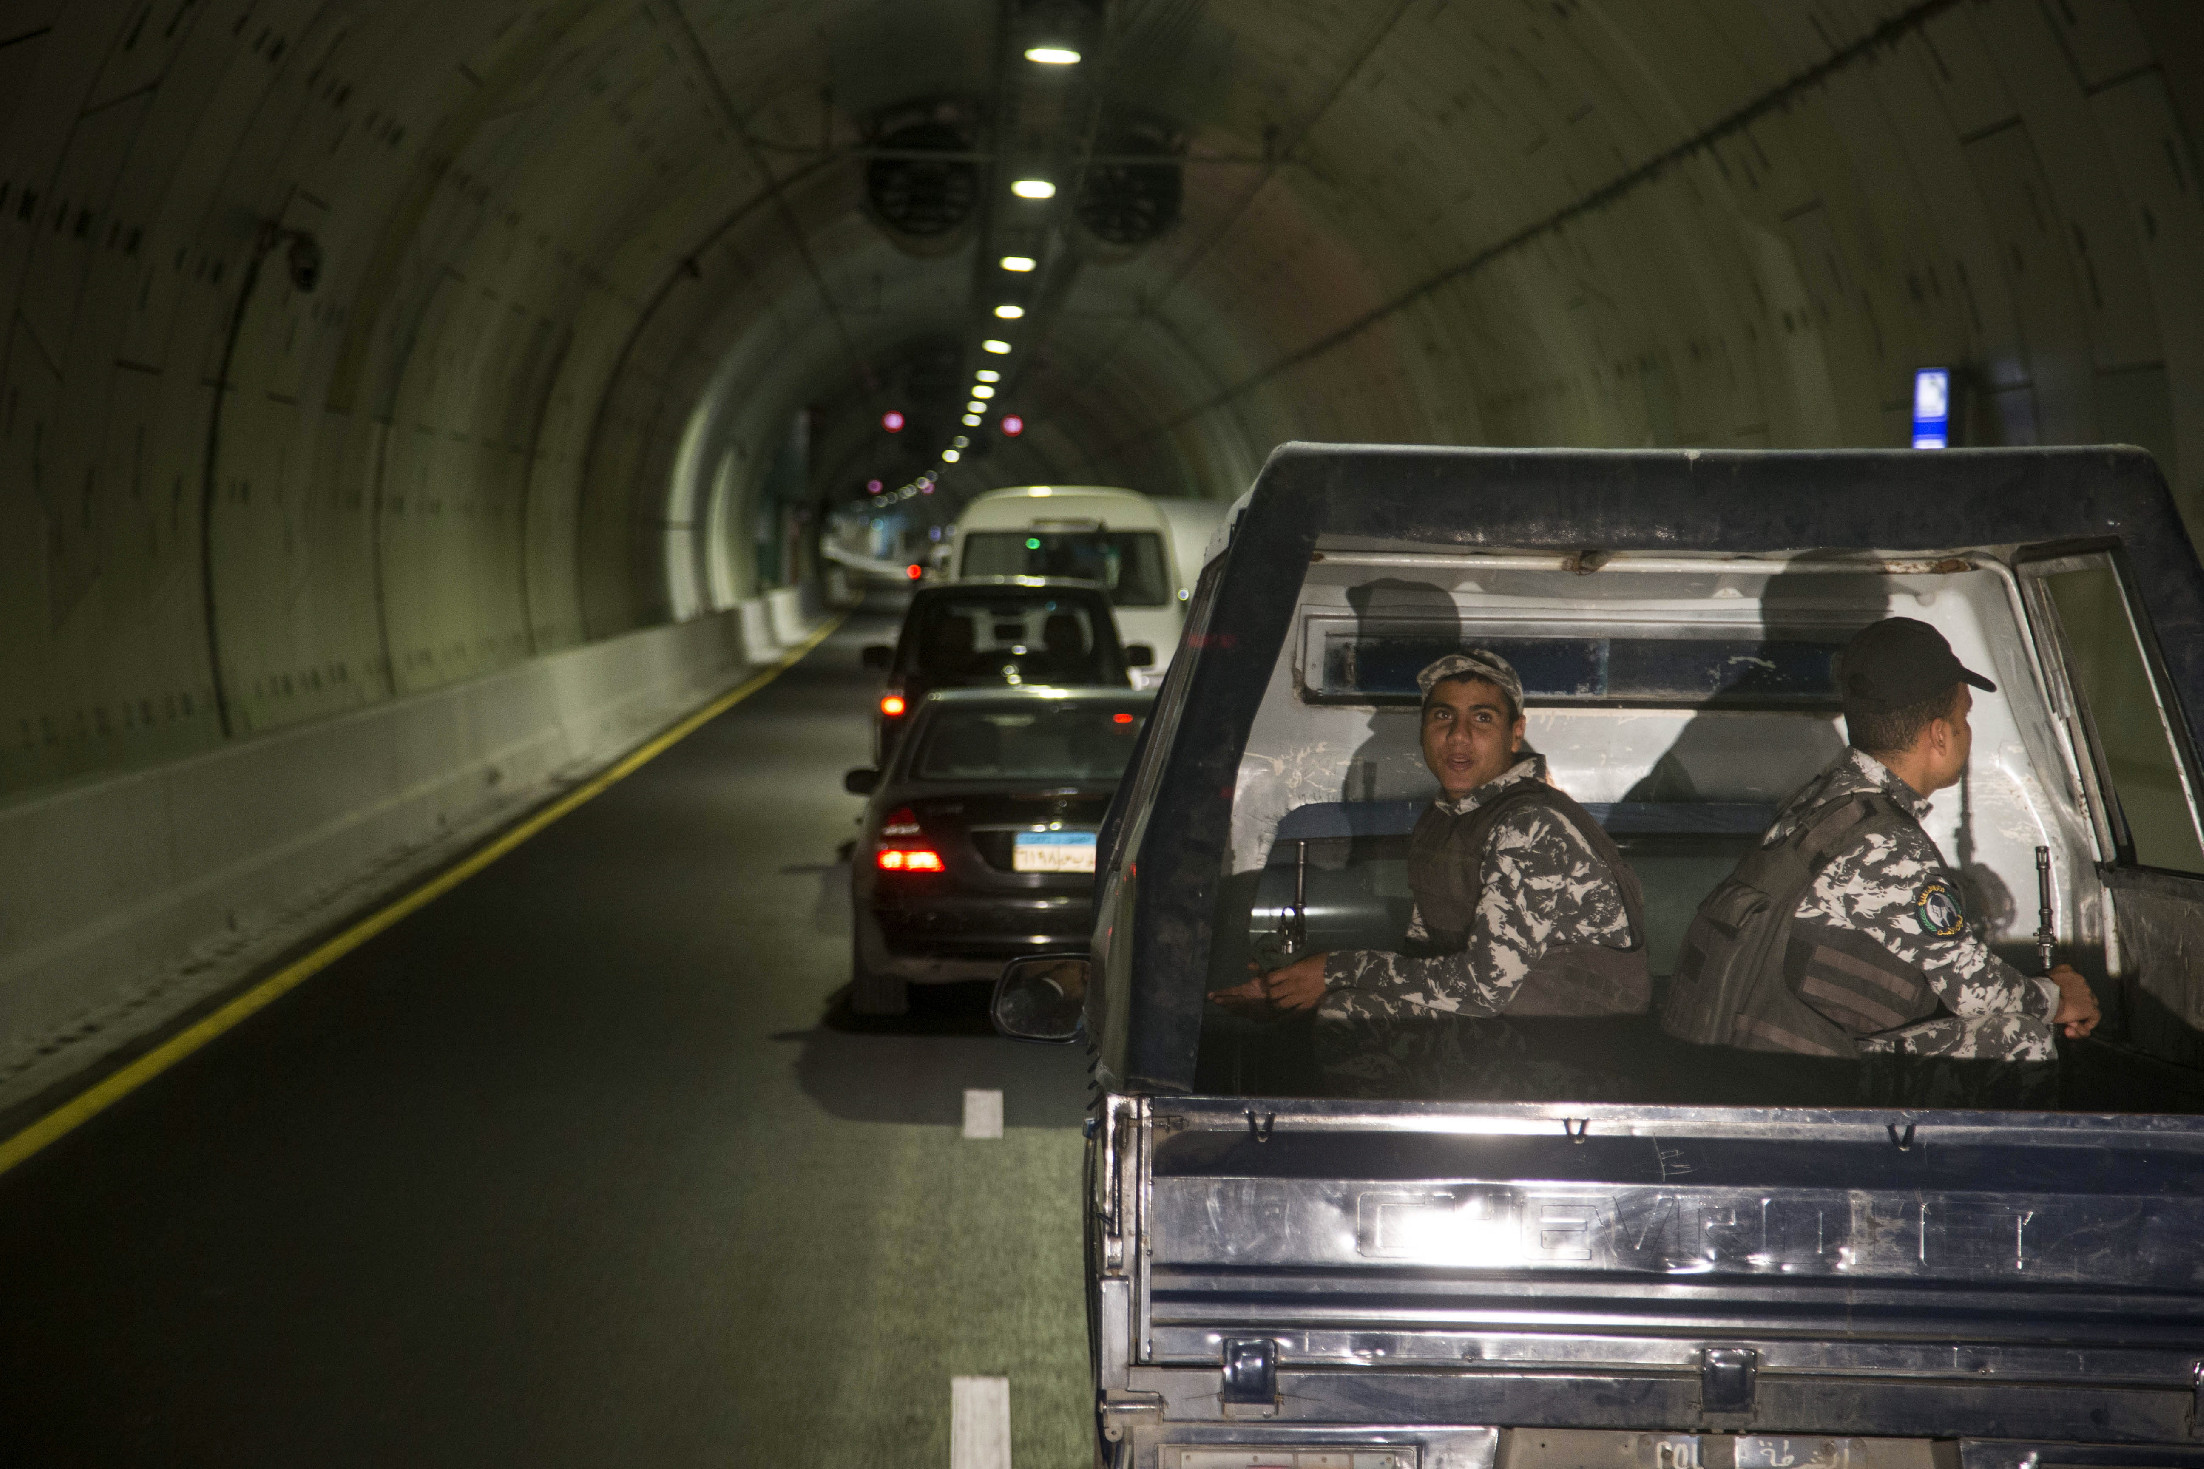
{"points": [[910, 859]]}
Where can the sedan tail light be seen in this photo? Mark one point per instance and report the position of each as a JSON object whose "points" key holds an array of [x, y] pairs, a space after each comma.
{"points": [[902, 822], [910, 859]]}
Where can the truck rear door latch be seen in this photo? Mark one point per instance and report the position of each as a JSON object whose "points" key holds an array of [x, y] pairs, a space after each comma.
{"points": [[1251, 1372], [1727, 1379]]}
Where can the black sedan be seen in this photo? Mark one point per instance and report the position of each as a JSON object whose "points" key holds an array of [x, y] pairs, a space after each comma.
{"points": [[999, 631], [978, 844]]}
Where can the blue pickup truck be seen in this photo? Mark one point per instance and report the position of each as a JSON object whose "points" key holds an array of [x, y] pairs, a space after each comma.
{"points": [[1284, 1275]]}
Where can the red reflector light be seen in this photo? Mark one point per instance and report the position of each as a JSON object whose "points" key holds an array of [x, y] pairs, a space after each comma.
{"points": [[914, 571], [892, 705], [1121, 719], [909, 859]]}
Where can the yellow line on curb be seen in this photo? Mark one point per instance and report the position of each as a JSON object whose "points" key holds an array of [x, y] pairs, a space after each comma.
{"points": [[90, 1103]]}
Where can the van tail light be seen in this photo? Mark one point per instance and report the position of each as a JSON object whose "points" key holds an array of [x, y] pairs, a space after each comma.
{"points": [[902, 823], [910, 859], [892, 705]]}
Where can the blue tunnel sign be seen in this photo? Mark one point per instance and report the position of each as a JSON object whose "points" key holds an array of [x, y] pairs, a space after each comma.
{"points": [[1932, 408]]}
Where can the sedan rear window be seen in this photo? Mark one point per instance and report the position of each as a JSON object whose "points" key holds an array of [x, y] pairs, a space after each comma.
{"points": [[1065, 742]]}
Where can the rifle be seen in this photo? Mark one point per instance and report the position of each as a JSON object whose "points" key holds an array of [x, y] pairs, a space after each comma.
{"points": [[2046, 935]]}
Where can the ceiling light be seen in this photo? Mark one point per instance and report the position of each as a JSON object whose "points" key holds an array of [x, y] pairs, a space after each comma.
{"points": [[971, 420], [1033, 189], [960, 441], [998, 348], [1019, 263], [988, 375], [1052, 55], [975, 406], [1009, 312], [949, 456], [983, 392]]}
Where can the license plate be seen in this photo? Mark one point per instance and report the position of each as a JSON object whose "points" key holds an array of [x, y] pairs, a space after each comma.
{"points": [[1053, 851]]}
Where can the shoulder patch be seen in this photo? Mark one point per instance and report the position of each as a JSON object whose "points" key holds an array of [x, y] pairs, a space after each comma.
{"points": [[1937, 908]]}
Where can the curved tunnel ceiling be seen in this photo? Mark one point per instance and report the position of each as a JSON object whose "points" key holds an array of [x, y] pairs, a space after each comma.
{"points": [[360, 348]]}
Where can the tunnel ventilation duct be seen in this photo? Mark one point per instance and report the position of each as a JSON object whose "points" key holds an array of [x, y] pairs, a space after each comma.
{"points": [[923, 204], [1132, 189]]}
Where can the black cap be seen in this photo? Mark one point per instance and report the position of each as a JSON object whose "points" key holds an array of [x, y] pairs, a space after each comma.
{"points": [[1898, 663]]}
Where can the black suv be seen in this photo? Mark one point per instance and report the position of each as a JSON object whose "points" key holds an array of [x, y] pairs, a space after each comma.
{"points": [[996, 632]]}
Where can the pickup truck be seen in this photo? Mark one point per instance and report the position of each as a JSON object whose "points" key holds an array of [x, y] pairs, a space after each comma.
{"points": [[1282, 1275]]}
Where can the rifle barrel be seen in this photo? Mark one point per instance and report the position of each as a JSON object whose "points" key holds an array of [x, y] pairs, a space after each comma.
{"points": [[2046, 930]]}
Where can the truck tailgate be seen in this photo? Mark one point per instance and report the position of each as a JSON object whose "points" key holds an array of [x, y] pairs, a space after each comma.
{"points": [[1935, 1274]]}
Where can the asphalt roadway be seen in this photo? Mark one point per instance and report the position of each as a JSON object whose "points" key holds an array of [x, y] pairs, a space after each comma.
{"points": [[584, 1163]]}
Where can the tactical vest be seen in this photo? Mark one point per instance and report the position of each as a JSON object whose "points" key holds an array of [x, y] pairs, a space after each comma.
{"points": [[1733, 984], [1446, 872]]}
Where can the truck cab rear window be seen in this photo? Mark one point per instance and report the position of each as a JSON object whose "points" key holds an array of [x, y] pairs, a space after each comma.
{"points": [[1661, 667]]}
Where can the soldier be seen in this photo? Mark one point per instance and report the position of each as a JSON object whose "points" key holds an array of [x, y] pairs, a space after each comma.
{"points": [[1523, 907], [1878, 962]]}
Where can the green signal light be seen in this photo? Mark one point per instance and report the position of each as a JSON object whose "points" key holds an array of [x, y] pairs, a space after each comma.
{"points": [[1032, 543]]}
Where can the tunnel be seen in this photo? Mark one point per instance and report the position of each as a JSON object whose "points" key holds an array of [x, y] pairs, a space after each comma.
{"points": [[409, 413]]}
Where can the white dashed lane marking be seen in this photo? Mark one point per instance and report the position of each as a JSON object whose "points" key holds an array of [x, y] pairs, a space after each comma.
{"points": [[983, 1117], [979, 1408]]}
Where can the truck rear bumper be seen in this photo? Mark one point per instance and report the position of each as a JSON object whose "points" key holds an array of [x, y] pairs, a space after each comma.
{"points": [[1146, 1433]]}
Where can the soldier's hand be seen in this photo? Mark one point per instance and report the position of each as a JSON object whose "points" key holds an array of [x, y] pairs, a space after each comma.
{"points": [[2078, 1013], [1298, 986], [1247, 996]]}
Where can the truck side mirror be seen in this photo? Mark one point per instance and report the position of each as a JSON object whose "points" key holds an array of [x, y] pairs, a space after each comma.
{"points": [[878, 655], [1139, 655], [1040, 999], [862, 782]]}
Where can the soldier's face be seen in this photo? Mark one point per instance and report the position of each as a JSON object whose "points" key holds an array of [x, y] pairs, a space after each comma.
{"points": [[1950, 741], [1468, 738]]}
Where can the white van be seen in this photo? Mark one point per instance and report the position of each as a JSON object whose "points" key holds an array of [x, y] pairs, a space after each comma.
{"points": [[1146, 552]]}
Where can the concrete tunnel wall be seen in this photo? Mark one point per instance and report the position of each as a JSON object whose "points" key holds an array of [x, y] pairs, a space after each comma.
{"points": [[583, 262]]}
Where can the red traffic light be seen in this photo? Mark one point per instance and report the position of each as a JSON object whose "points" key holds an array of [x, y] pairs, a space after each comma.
{"points": [[892, 421], [1012, 425]]}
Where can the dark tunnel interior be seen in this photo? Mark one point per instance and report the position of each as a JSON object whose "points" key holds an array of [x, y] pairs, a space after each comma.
{"points": [[357, 350], [406, 409]]}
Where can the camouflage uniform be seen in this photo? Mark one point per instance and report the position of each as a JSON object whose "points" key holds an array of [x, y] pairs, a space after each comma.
{"points": [[1387, 1024], [1891, 897]]}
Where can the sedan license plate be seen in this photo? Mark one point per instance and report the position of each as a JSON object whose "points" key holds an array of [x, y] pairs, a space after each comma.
{"points": [[1053, 851]]}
